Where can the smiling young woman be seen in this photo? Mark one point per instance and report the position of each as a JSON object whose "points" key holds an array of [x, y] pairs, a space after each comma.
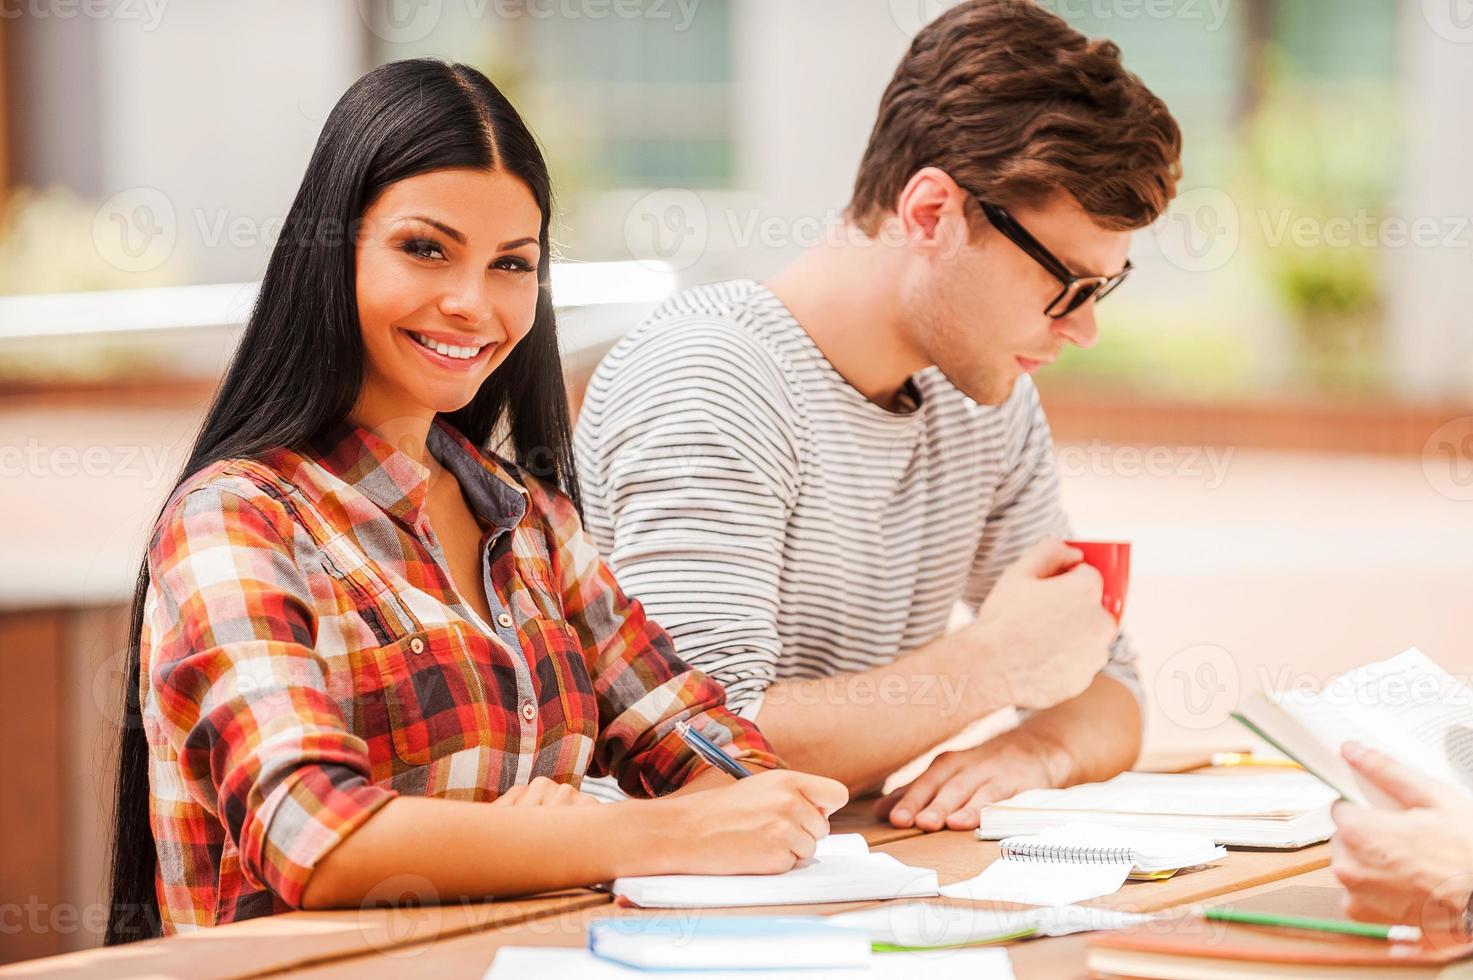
{"points": [[364, 644]]}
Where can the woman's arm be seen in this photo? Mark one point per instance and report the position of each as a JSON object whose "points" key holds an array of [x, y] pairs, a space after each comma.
{"points": [[462, 850]]}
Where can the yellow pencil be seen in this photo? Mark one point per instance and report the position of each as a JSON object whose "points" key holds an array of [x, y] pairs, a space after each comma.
{"points": [[1249, 759]]}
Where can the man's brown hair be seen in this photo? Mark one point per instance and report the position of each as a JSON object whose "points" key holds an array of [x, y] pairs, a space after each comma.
{"points": [[1016, 105]]}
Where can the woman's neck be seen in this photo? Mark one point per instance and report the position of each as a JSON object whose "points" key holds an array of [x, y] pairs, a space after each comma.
{"points": [[406, 431]]}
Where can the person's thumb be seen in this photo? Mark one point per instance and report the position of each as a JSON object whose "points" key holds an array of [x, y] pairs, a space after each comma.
{"points": [[1402, 784]]}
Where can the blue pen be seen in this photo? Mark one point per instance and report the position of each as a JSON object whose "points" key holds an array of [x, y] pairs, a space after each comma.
{"points": [[709, 751]]}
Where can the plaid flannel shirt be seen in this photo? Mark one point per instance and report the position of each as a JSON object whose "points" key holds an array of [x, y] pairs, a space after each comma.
{"points": [[305, 658]]}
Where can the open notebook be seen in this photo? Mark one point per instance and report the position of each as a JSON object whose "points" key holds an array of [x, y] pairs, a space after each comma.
{"points": [[841, 870], [1272, 809], [1408, 707]]}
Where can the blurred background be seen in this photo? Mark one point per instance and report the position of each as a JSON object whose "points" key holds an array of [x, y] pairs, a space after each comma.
{"points": [[1279, 413]]}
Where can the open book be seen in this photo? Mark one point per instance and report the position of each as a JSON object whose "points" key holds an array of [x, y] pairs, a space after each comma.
{"points": [[1282, 809], [1408, 707]]}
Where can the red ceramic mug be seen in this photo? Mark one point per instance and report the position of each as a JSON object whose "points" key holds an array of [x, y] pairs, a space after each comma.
{"points": [[1112, 560]]}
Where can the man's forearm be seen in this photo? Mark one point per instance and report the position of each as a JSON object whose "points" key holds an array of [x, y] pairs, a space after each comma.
{"points": [[860, 727], [1090, 737]]}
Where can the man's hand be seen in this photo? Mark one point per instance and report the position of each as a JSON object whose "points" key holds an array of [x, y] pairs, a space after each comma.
{"points": [[1413, 865], [1043, 627], [956, 785]]}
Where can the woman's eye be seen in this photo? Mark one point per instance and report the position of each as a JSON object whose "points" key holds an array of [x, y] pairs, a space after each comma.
{"points": [[423, 248], [511, 263]]}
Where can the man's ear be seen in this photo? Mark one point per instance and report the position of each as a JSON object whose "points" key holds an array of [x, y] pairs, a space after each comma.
{"points": [[932, 210]]}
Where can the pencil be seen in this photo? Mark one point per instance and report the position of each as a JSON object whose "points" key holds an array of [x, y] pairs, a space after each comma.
{"points": [[1370, 930]]}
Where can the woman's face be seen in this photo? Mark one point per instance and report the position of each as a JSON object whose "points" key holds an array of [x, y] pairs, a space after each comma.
{"points": [[447, 286]]}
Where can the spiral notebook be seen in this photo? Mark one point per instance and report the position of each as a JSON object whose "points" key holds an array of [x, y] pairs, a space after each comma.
{"points": [[1079, 861], [1150, 855]]}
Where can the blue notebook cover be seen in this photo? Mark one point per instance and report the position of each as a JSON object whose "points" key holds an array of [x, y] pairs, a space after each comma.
{"points": [[706, 941]]}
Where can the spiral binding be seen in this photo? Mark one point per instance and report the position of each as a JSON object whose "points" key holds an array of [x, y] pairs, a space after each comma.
{"points": [[1059, 853]]}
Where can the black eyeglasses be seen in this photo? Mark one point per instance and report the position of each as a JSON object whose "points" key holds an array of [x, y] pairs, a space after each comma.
{"points": [[1077, 290]]}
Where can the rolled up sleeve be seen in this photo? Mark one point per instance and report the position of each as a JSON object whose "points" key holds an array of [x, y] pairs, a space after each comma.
{"points": [[236, 695], [643, 688]]}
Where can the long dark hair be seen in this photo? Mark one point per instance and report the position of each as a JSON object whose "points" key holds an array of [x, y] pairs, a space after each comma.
{"points": [[299, 363]]}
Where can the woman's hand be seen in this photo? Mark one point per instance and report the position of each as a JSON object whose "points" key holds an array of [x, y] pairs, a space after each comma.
{"points": [[542, 791], [1413, 865], [764, 824]]}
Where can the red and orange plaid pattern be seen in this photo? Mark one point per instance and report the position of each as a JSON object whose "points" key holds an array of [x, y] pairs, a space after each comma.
{"points": [[305, 658]]}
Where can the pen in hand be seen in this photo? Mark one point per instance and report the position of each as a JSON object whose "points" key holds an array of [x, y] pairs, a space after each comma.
{"points": [[708, 750]]}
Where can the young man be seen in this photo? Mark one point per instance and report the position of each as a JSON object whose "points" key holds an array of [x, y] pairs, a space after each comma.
{"points": [[800, 479]]}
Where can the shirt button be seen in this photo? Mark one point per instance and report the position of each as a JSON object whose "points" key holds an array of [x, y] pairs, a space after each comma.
{"points": [[505, 620], [417, 645], [529, 710]]}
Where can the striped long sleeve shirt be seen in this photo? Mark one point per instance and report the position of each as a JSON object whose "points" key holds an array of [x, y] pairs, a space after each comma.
{"points": [[779, 524]]}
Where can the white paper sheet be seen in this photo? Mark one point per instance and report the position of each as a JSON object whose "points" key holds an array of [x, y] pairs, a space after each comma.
{"points": [[842, 869], [1040, 883]]}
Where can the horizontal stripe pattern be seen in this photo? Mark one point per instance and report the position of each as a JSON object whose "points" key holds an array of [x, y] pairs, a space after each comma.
{"points": [[779, 524]]}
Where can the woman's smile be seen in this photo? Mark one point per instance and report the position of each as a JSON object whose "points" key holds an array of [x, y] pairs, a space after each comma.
{"points": [[451, 352]]}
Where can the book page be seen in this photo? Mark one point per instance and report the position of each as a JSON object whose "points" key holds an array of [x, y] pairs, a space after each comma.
{"points": [[1272, 794], [1410, 707]]}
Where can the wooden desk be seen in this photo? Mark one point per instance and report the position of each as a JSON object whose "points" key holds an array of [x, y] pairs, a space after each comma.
{"points": [[461, 940], [955, 855]]}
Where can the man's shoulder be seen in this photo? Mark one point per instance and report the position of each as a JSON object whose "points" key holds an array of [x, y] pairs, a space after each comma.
{"points": [[716, 333]]}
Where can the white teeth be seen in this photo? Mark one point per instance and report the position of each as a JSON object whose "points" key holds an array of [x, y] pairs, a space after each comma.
{"points": [[449, 350]]}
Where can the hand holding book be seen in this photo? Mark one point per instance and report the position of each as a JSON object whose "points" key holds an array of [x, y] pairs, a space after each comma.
{"points": [[1412, 864]]}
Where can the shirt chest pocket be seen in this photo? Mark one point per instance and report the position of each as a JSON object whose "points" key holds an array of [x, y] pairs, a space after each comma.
{"points": [[556, 655], [433, 697]]}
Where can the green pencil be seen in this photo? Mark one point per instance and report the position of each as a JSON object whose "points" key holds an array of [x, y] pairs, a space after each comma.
{"points": [[1406, 934]]}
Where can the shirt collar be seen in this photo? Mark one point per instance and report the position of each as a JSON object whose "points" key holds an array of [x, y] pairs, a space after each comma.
{"points": [[400, 484]]}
